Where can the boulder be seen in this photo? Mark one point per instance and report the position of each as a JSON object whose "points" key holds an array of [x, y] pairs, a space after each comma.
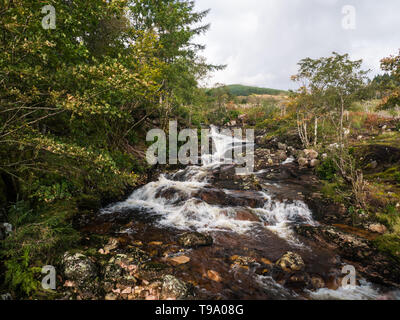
{"points": [[194, 240], [291, 261], [77, 267], [245, 215], [173, 288]]}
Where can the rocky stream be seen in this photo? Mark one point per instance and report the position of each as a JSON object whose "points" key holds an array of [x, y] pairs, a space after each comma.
{"points": [[204, 232]]}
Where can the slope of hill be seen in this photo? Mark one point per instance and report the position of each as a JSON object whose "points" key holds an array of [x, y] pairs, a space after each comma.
{"points": [[241, 90]]}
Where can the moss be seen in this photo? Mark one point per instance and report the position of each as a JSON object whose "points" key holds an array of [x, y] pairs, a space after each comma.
{"points": [[389, 243], [389, 175], [335, 191]]}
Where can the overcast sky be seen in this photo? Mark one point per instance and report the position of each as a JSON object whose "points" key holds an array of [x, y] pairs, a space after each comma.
{"points": [[262, 41]]}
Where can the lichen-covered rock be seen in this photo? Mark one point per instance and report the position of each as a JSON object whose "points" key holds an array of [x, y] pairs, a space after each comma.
{"points": [[78, 268], [291, 261], [194, 240], [173, 288]]}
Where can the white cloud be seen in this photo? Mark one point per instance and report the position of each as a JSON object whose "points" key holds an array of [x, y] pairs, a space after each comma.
{"points": [[261, 41]]}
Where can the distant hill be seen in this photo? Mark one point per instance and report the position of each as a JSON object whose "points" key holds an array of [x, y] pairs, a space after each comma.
{"points": [[241, 90]]}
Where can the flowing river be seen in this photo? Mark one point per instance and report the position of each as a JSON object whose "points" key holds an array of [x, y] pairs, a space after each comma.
{"points": [[247, 226]]}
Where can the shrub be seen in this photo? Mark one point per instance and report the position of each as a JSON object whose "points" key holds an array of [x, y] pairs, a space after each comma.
{"points": [[327, 170]]}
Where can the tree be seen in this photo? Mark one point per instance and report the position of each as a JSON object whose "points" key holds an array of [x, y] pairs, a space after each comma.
{"points": [[60, 84], [330, 85], [333, 84], [392, 65], [175, 23]]}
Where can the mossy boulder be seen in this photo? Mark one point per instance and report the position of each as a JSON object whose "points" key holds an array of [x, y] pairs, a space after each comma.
{"points": [[291, 261], [78, 267], [194, 240], [173, 288]]}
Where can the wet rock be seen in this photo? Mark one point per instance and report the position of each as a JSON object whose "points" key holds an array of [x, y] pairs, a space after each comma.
{"points": [[179, 260], [375, 265], [78, 268], [298, 280], [291, 261], [244, 215], [194, 240], [173, 288], [153, 270], [214, 276], [213, 196], [243, 261], [303, 162], [317, 282], [173, 195]]}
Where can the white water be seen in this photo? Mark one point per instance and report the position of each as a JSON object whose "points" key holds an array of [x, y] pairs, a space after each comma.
{"points": [[365, 291], [184, 211]]}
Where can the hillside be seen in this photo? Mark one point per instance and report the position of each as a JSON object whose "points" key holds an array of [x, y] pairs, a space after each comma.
{"points": [[241, 90]]}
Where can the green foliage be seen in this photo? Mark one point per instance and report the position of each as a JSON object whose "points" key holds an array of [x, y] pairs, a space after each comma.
{"points": [[391, 82], [74, 106], [327, 170], [20, 276], [40, 234]]}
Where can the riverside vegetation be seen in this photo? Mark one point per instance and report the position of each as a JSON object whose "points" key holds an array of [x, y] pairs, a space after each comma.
{"points": [[76, 104]]}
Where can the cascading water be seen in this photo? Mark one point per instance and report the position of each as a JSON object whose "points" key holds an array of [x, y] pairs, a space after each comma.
{"points": [[174, 201], [182, 210]]}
